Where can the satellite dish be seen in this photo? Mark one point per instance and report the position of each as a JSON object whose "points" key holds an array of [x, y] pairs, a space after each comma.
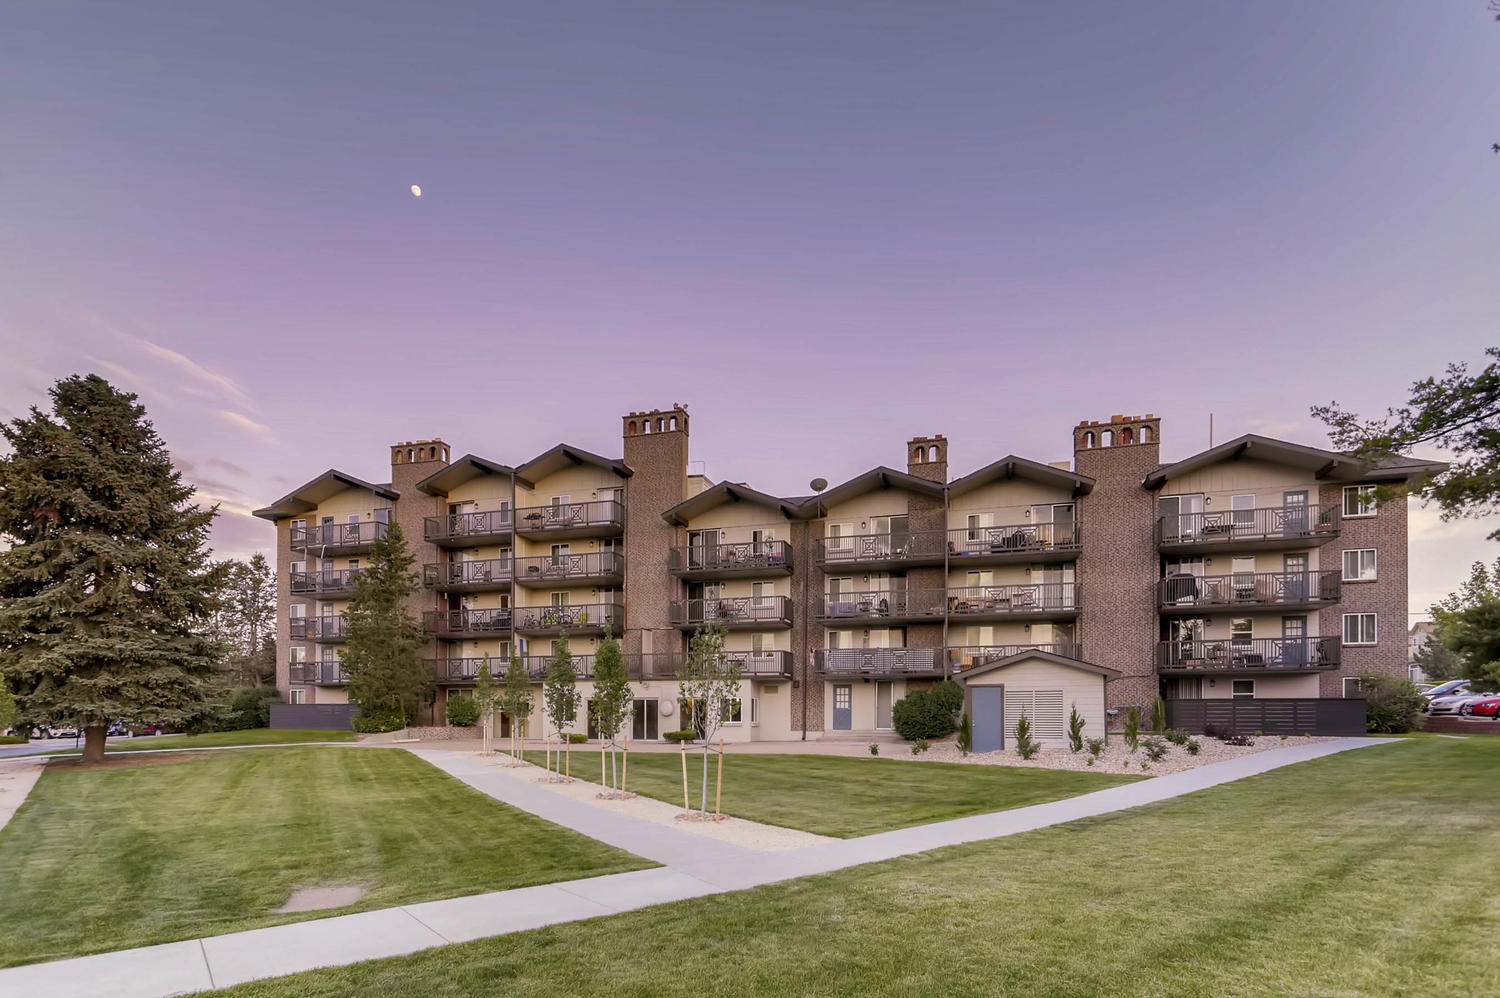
{"points": [[818, 484]]}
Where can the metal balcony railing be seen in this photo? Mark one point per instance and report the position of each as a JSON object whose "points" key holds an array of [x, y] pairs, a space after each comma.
{"points": [[569, 515], [1014, 538], [454, 574], [969, 656], [595, 616], [854, 549], [1260, 524], [1244, 589], [319, 673], [1028, 598], [470, 621], [321, 628], [457, 526], [584, 565], [741, 558], [732, 610], [876, 661], [337, 535], [325, 581], [1260, 654], [883, 604]]}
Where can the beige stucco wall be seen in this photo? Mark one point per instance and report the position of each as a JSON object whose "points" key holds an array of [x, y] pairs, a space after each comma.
{"points": [[861, 700], [1008, 501], [1080, 688], [737, 519], [887, 502], [1266, 687], [668, 691], [580, 484], [487, 491], [1263, 479]]}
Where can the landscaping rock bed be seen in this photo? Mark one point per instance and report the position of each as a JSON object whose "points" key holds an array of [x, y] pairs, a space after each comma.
{"points": [[1116, 757]]}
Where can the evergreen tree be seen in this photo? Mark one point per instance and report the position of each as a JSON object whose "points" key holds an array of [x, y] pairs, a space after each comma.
{"points": [[383, 650], [612, 697], [1468, 625], [517, 701], [560, 691], [107, 585]]}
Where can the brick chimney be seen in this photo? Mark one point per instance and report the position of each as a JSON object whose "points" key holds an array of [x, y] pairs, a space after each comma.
{"points": [[927, 457]]}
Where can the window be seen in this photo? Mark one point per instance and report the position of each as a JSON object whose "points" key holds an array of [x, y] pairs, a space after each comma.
{"points": [[755, 710], [1359, 628], [299, 531], [1240, 632], [1351, 687], [1243, 689], [762, 594], [1359, 565], [1359, 500], [297, 696], [298, 654], [1242, 511]]}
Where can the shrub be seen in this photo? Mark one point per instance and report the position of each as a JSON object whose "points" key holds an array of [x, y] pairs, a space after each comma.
{"points": [[1155, 748], [965, 735], [919, 746], [1158, 714], [575, 737], [1096, 747], [1392, 704], [874, 748], [681, 736], [929, 713], [1145, 764], [1024, 744], [376, 719], [1241, 740], [1192, 745], [13, 739], [1133, 727], [250, 708], [1075, 730], [463, 712], [1177, 736], [1090, 760]]}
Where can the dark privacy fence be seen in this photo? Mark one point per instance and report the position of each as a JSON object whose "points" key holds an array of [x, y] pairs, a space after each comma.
{"points": [[1271, 717], [313, 716]]}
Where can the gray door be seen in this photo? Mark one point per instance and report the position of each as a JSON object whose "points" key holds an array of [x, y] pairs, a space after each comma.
{"points": [[883, 703], [843, 707], [988, 721]]}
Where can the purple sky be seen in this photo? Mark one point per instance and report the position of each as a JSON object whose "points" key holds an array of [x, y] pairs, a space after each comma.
{"points": [[849, 221]]}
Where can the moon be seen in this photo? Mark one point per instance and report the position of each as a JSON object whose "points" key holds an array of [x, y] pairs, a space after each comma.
{"points": [[416, 191]]}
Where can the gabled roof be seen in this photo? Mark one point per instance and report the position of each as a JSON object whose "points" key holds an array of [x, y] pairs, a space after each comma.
{"points": [[1046, 656], [1011, 466], [725, 492], [465, 469], [306, 498], [871, 481], [565, 456], [1325, 464]]}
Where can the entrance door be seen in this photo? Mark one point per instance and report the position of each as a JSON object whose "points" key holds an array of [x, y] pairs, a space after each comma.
{"points": [[643, 725], [883, 704], [1182, 516], [843, 707], [989, 718], [1294, 640], [1296, 583], [1294, 513]]}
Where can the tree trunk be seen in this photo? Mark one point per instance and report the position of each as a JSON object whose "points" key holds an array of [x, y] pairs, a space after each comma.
{"points": [[93, 743], [704, 807]]}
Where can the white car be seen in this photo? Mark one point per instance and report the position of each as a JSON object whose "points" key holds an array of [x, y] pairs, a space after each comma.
{"points": [[1452, 703]]}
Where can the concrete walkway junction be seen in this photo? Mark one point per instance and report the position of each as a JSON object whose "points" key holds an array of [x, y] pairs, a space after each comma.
{"points": [[691, 866]]}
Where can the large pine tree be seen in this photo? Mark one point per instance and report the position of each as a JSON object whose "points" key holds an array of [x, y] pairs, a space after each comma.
{"points": [[106, 588], [383, 653]]}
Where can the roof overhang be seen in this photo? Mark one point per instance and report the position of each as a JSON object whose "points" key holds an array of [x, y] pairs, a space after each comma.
{"points": [[308, 497], [1045, 656], [1011, 467], [465, 469], [721, 494], [561, 457], [874, 480], [1326, 465]]}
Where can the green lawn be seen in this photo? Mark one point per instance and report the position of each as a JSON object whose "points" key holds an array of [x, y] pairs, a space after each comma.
{"points": [[253, 736], [844, 796], [167, 847], [1367, 873]]}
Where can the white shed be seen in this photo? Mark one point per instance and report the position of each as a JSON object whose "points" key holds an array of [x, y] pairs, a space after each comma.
{"points": [[1042, 686]]}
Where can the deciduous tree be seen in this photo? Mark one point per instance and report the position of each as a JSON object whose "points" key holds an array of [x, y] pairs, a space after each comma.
{"points": [[560, 692], [710, 685], [612, 698], [518, 701]]}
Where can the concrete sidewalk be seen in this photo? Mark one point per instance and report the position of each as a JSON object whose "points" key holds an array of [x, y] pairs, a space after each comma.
{"points": [[693, 867]]}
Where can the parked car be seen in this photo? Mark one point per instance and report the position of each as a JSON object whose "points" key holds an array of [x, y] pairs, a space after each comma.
{"points": [[116, 729], [1484, 705], [1451, 688], [1453, 704], [65, 731], [149, 729]]}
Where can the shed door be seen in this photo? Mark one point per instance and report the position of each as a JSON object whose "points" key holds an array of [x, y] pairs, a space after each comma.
{"points": [[988, 722]]}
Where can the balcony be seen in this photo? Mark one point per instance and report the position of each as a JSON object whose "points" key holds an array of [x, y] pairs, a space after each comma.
{"points": [[328, 539], [469, 623], [466, 530], [326, 582], [969, 656], [603, 568], [588, 618], [736, 613], [882, 550], [835, 662], [319, 673], [324, 630], [1023, 542], [1053, 600], [1191, 594], [859, 609], [1264, 528], [481, 575], [601, 518], [1246, 656], [744, 560]]}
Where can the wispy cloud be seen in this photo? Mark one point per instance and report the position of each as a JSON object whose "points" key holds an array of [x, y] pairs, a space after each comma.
{"points": [[229, 466], [246, 423], [220, 384]]}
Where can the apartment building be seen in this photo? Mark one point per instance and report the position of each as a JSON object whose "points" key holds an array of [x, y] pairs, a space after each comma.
{"points": [[1258, 569]]}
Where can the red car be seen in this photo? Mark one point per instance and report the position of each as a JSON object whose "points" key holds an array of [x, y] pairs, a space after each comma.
{"points": [[1484, 707]]}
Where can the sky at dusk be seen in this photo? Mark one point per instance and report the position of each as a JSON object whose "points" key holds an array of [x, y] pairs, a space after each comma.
{"points": [[825, 227]]}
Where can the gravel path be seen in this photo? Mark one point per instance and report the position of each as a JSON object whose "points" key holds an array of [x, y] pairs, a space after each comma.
{"points": [[735, 831]]}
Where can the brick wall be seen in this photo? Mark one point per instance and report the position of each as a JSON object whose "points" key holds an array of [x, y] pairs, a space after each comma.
{"points": [[1117, 566], [1385, 597], [283, 601], [658, 461], [807, 637]]}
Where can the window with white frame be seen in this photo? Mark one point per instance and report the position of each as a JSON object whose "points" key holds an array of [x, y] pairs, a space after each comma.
{"points": [[1351, 687], [1359, 628], [297, 654], [1359, 500], [1359, 565], [297, 696], [1243, 689], [755, 710]]}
